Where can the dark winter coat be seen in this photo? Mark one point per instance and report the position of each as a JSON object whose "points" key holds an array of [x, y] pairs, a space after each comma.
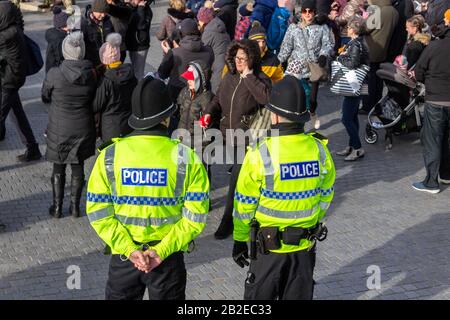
{"points": [[12, 47], [216, 37], [176, 61], [378, 39], [136, 34], [120, 15], [113, 101], [228, 14], [192, 106], [240, 97], [71, 129], [433, 69], [435, 12], [415, 47], [94, 36], [54, 55], [355, 54], [169, 22], [405, 9]]}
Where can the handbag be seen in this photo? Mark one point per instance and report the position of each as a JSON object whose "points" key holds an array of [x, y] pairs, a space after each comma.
{"points": [[258, 123], [348, 82], [34, 61], [317, 73]]}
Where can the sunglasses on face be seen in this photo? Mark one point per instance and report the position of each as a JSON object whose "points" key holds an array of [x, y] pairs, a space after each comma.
{"points": [[308, 11]]}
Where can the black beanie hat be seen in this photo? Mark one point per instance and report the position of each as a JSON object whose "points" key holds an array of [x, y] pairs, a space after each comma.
{"points": [[288, 100], [59, 18], [100, 6], [188, 27], [309, 4], [257, 31], [150, 104]]}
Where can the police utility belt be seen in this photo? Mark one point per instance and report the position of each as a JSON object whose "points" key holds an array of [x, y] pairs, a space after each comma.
{"points": [[269, 238]]}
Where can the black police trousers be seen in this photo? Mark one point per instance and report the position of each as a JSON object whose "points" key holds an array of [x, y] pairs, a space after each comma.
{"points": [[165, 282], [283, 276]]}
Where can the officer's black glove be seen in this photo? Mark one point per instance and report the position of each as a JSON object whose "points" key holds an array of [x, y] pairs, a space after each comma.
{"points": [[240, 253], [322, 61]]}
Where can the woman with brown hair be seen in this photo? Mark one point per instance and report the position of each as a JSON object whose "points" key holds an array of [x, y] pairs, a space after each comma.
{"points": [[417, 39], [175, 13], [242, 91]]}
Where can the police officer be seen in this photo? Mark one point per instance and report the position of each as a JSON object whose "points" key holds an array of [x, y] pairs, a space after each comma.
{"points": [[283, 191], [148, 199]]}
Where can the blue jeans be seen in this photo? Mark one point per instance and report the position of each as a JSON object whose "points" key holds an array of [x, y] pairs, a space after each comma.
{"points": [[350, 120]]}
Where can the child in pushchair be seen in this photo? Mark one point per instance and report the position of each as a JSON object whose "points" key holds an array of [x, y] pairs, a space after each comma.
{"points": [[400, 110]]}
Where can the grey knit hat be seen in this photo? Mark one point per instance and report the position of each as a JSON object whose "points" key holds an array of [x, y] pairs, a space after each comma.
{"points": [[73, 47]]}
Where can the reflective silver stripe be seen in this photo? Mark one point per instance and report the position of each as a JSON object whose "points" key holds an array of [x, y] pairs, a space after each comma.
{"points": [[268, 167], [286, 214], [195, 217], [324, 205], [109, 167], [145, 222], [242, 216], [100, 214], [323, 156], [181, 169]]}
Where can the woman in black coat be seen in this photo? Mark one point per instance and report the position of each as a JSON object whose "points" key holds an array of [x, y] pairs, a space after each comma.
{"points": [[71, 129], [417, 40], [113, 96], [354, 55]]}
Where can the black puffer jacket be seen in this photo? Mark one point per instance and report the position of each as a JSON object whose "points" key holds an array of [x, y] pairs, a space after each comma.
{"points": [[54, 56], [95, 35], [12, 46], [415, 46], [113, 101], [176, 61], [71, 129], [193, 105], [228, 14]]}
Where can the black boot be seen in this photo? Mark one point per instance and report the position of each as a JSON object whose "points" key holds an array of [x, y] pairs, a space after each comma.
{"points": [[225, 228], [31, 154], [76, 188], [58, 182]]}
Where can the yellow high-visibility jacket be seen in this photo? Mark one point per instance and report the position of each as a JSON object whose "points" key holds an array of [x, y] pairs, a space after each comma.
{"points": [[284, 181], [147, 188]]}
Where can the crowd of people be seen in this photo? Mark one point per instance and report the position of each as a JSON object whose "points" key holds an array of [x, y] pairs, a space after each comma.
{"points": [[220, 62]]}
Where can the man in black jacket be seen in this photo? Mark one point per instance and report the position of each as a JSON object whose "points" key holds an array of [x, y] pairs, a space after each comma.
{"points": [[96, 25], [433, 69], [12, 76]]}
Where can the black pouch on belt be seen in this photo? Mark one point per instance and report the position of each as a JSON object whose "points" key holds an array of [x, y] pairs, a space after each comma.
{"points": [[293, 235], [270, 236]]}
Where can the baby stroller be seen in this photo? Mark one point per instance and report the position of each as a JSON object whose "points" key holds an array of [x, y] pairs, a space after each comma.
{"points": [[399, 112]]}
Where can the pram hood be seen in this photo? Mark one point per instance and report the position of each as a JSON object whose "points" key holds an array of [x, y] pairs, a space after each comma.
{"points": [[389, 71]]}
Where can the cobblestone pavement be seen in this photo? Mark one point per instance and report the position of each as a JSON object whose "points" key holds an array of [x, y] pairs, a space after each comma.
{"points": [[376, 219]]}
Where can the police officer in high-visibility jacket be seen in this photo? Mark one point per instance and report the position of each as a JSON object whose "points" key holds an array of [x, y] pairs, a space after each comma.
{"points": [[148, 199], [283, 191]]}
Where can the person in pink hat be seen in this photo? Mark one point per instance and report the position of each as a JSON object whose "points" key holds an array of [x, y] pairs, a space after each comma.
{"points": [[113, 97]]}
